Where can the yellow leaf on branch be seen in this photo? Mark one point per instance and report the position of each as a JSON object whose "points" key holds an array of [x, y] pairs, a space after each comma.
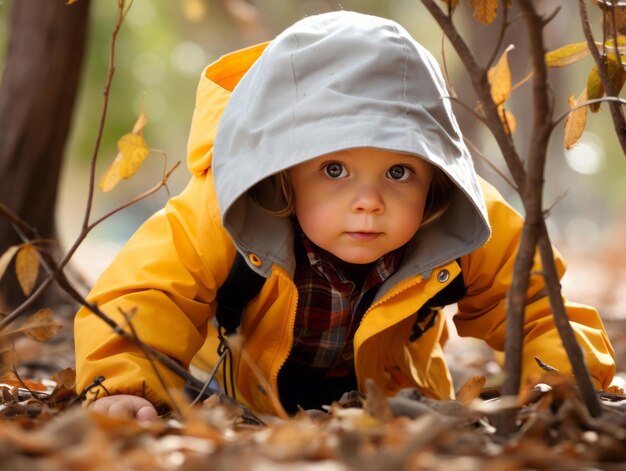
{"points": [[27, 267], [594, 88], [575, 52], [485, 11], [617, 77], [575, 121], [499, 77], [132, 151], [567, 55]]}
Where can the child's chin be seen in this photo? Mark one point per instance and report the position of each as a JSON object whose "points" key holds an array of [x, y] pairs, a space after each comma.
{"points": [[357, 259]]}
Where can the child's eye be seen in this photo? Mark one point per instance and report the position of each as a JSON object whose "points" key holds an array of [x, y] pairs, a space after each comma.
{"points": [[335, 170], [399, 173]]}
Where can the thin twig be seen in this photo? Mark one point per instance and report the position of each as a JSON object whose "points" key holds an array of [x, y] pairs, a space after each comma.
{"points": [[489, 163], [542, 129], [478, 76], [210, 378], [469, 109], [444, 63], [142, 347], [136, 199], [25, 386], [103, 115], [619, 122], [503, 28], [566, 332], [531, 198], [15, 220], [522, 82], [58, 274], [615, 33], [616, 99]]}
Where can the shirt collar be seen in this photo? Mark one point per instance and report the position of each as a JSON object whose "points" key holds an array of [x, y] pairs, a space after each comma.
{"points": [[330, 267]]}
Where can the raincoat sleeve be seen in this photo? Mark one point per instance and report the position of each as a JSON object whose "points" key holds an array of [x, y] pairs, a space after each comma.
{"points": [[488, 273], [165, 279]]}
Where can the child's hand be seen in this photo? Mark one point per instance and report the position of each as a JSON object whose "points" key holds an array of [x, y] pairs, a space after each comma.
{"points": [[126, 405]]}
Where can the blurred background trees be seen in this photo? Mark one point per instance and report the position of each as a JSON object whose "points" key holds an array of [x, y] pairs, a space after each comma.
{"points": [[164, 46], [42, 70]]}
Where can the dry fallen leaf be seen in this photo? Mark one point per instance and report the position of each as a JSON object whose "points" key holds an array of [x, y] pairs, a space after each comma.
{"points": [[575, 121], [376, 404], [27, 267], [65, 378], [471, 390], [41, 326]]}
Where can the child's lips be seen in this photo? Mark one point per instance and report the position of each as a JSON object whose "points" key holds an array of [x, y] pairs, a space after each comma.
{"points": [[363, 235]]}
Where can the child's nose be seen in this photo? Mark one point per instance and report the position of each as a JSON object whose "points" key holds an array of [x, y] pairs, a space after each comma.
{"points": [[368, 199]]}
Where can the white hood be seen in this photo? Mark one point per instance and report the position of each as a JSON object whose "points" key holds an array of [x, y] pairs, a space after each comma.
{"points": [[331, 82]]}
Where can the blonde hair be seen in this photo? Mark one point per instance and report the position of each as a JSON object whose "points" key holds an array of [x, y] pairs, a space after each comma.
{"points": [[437, 200]]}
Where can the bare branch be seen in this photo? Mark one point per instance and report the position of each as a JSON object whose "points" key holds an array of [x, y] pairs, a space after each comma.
{"points": [[503, 28], [489, 163], [566, 332], [56, 272], [105, 104], [619, 122], [478, 75], [16, 221], [136, 199]]}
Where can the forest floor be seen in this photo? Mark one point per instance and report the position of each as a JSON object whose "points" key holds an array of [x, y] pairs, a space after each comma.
{"points": [[43, 426]]}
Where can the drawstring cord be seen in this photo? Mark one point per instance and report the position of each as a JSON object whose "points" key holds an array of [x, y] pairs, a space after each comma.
{"points": [[210, 378], [226, 355]]}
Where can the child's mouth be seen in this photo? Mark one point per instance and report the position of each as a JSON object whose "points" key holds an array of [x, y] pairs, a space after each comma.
{"points": [[364, 236]]}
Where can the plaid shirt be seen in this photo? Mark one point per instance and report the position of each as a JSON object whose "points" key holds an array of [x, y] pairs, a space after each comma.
{"points": [[331, 305]]}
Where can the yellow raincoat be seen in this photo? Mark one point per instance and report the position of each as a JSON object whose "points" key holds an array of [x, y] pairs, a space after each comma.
{"points": [[168, 273]]}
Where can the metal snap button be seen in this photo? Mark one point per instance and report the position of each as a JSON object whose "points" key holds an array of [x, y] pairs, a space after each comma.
{"points": [[255, 259], [443, 276]]}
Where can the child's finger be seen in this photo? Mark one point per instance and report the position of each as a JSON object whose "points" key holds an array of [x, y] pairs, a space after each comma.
{"points": [[123, 407], [146, 413]]}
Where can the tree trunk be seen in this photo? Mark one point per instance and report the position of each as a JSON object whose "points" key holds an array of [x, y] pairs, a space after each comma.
{"points": [[37, 94]]}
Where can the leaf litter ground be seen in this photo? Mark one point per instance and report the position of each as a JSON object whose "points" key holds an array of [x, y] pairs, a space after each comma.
{"points": [[43, 426]]}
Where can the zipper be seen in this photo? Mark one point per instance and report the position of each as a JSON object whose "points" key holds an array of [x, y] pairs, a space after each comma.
{"points": [[290, 340], [392, 295], [414, 282], [417, 280]]}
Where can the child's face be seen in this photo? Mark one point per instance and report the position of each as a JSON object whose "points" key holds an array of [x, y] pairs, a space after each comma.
{"points": [[360, 204]]}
